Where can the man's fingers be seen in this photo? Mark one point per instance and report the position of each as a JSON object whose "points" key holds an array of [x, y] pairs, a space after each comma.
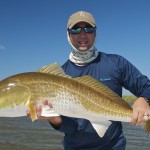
{"points": [[140, 118], [146, 118], [134, 118], [45, 102], [38, 110]]}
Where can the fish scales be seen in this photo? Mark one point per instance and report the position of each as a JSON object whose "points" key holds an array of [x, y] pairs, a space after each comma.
{"points": [[97, 102]]}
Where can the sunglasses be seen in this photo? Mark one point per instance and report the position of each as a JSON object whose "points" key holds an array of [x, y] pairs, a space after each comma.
{"points": [[77, 29]]}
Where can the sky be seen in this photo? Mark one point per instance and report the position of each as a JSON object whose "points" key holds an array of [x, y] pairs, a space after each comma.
{"points": [[33, 32]]}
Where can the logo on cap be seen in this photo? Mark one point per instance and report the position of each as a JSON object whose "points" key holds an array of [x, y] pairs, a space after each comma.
{"points": [[82, 13]]}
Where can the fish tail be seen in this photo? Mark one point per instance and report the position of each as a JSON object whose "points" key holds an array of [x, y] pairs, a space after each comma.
{"points": [[147, 127]]}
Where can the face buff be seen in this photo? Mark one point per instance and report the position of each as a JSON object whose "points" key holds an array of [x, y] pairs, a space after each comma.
{"points": [[82, 57]]}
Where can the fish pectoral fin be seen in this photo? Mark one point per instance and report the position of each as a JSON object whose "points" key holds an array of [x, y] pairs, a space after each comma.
{"points": [[48, 112], [101, 128]]}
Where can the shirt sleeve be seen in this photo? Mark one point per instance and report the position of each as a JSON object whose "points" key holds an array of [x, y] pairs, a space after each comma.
{"points": [[133, 80], [69, 125]]}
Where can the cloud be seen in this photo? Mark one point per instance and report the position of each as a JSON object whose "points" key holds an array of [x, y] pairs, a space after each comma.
{"points": [[2, 47]]}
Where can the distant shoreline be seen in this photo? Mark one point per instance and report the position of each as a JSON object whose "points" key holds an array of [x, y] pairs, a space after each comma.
{"points": [[129, 98]]}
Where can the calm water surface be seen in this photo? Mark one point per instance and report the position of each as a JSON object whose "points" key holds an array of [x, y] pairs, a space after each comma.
{"points": [[22, 134]]}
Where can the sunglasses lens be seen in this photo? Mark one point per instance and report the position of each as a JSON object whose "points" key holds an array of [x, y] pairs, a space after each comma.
{"points": [[89, 30], [75, 31]]}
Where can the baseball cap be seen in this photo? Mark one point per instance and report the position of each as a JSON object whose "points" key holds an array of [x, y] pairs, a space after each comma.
{"points": [[81, 16]]}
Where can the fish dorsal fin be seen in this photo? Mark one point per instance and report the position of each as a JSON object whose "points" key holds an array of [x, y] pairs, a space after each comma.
{"points": [[53, 69], [98, 86]]}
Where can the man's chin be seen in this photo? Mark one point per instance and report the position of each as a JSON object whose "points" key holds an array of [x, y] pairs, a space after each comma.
{"points": [[83, 49]]}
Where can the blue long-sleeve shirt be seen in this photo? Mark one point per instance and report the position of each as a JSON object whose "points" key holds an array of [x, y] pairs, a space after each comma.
{"points": [[115, 72]]}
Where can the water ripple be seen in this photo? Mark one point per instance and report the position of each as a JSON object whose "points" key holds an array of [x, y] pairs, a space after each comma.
{"points": [[22, 134]]}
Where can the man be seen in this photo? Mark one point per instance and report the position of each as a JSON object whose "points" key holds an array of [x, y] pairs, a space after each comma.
{"points": [[112, 70]]}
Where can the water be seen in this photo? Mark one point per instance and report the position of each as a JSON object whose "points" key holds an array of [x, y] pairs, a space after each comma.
{"points": [[22, 134]]}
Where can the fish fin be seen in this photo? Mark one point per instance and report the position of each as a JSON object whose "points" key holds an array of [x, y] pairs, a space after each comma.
{"points": [[98, 86], [146, 127], [31, 106], [15, 105], [101, 128], [53, 69]]}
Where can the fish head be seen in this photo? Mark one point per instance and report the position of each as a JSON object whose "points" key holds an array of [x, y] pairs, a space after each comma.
{"points": [[14, 96]]}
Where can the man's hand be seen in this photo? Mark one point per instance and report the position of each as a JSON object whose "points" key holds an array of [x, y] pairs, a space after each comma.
{"points": [[55, 121], [141, 111]]}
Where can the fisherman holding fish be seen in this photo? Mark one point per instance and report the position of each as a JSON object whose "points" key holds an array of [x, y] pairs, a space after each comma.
{"points": [[99, 76], [112, 70]]}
